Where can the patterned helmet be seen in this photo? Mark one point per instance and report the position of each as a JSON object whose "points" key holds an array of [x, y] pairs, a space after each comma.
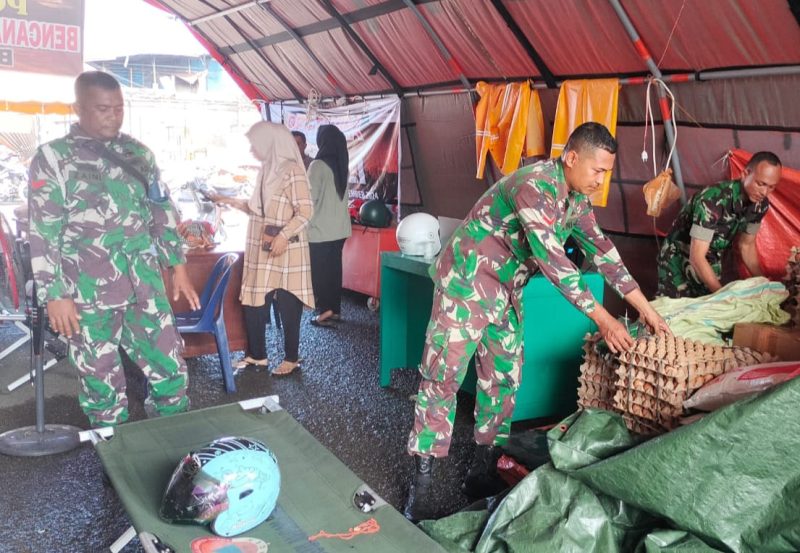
{"points": [[232, 483]]}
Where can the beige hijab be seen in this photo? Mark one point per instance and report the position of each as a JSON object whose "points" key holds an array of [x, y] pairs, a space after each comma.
{"points": [[275, 146]]}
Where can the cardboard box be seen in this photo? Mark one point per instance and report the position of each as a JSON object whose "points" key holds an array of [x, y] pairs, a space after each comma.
{"points": [[781, 341]]}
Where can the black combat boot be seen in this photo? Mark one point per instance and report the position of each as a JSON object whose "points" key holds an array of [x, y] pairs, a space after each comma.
{"points": [[419, 503], [482, 479]]}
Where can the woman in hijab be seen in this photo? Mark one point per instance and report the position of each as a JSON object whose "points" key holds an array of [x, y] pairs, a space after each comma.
{"points": [[330, 225], [276, 259]]}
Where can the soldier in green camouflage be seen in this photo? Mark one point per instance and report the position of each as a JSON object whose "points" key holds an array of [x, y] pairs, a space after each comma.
{"points": [[690, 259], [516, 229], [99, 237]]}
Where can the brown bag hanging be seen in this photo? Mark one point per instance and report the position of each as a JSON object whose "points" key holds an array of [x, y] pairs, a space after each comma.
{"points": [[660, 193]]}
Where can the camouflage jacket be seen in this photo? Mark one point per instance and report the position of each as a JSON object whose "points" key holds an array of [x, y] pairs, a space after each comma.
{"points": [[93, 232], [519, 227], [716, 214]]}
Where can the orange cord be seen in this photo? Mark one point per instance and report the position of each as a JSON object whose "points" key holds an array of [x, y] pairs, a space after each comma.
{"points": [[370, 526]]}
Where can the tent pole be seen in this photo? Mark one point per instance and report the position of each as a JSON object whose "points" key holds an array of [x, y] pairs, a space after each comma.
{"points": [[222, 13], [751, 72], [700, 76], [666, 115]]}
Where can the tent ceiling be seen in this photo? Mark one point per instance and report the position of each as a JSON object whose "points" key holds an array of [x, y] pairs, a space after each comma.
{"points": [[283, 48]]}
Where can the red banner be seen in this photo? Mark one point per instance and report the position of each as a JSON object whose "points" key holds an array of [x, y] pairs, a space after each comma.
{"points": [[42, 36], [372, 129]]}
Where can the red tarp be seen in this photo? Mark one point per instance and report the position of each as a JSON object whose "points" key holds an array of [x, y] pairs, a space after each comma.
{"points": [[780, 229]]}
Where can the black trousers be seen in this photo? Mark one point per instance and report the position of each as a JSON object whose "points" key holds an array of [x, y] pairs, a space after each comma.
{"points": [[256, 319], [326, 274]]}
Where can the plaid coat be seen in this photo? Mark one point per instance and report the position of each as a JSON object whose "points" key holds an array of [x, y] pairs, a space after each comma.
{"points": [[291, 208]]}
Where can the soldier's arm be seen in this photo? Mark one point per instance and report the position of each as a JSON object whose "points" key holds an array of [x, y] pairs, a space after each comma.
{"points": [[706, 213], [698, 249], [47, 219], [163, 225], [538, 212], [605, 257], [602, 252], [747, 249]]}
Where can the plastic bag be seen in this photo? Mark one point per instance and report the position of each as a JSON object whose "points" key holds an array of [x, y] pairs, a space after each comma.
{"points": [[741, 383], [660, 193]]}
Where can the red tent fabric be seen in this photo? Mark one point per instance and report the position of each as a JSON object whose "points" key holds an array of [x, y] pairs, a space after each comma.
{"points": [[282, 48], [780, 230]]}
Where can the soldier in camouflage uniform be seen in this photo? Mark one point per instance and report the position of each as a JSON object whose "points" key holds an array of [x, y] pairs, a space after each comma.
{"points": [[517, 228], [690, 260], [99, 238]]}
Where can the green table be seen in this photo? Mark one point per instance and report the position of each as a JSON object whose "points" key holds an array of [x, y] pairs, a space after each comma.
{"points": [[554, 331]]}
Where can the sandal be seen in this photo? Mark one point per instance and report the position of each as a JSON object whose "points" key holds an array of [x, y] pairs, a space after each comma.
{"points": [[286, 368], [315, 321], [327, 321], [247, 361]]}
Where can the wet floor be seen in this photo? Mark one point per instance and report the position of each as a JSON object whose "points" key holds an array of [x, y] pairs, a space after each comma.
{"points": [[59, 503]]}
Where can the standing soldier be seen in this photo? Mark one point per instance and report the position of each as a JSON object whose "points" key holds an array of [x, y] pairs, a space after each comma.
{"points": [[517, 228], [690, 260], [101, 227]]}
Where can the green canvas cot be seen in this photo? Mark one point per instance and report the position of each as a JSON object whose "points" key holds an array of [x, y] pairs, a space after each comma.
{"points": [[316, 496]]}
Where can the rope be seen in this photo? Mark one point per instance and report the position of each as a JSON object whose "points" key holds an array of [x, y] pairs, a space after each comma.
{"points": [[672, 32], [370, 526], [650, 120]]}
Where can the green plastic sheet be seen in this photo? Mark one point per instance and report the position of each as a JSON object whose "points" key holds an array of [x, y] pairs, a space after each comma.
{"points": [[729, 483], [673, 541]]}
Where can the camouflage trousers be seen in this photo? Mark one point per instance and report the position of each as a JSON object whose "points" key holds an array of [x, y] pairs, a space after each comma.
{"points": [[676, 277], [459, 329], [148, 335]]}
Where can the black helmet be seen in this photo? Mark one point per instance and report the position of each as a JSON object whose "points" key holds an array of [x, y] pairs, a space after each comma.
{"points": [[374, 213]]}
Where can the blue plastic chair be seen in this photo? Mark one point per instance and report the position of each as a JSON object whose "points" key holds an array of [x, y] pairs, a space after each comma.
{"points": [[209, 318]]}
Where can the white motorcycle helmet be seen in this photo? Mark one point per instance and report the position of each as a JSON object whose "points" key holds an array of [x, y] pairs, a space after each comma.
{"points": [[418, 235]]}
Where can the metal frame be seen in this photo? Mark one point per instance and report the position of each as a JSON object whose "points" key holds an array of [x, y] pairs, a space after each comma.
{"points": [[523, 41], [448, 57], [305, 47], [222, 13], [669, 124], [258, 52], [794, 6], [355, 38], [356, 16]]}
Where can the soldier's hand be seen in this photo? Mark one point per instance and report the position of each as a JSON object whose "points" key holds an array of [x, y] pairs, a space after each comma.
{"points": [[63, 317], [182, 285], [614, 333], [278, 246], [655, 323]]}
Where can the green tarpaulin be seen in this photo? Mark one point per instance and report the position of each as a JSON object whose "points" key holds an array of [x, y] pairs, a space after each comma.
{"points": [[729, 482]]}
